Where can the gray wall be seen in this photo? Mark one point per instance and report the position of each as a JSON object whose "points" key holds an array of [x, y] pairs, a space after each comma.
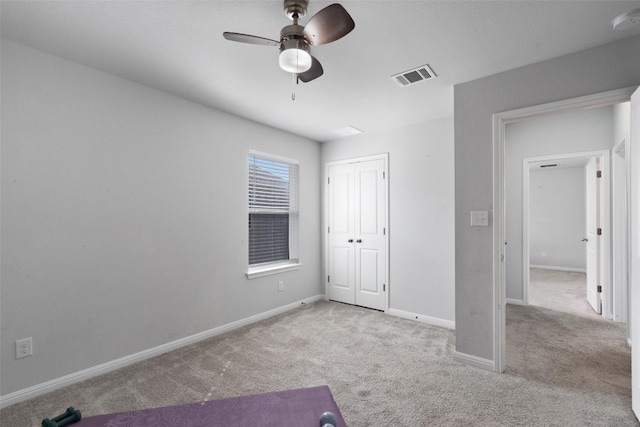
{"points": [[124, 216], [421, 235], [557, 218], [596, 70], [573, 132]]}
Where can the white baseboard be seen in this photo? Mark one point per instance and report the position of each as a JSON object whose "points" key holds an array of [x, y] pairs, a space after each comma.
{"points": [[475, 361], [49, 386], [552, 267], [515, 301], [449, 324]]}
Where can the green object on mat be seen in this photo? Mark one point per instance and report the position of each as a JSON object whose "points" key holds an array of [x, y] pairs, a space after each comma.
{"points": [[66, 418]]}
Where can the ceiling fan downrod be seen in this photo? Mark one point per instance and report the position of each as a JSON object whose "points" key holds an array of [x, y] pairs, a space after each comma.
{"points": [[295, 9]]}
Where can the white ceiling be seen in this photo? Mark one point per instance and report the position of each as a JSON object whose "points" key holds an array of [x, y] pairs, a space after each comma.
{"points": [[177, 47]]}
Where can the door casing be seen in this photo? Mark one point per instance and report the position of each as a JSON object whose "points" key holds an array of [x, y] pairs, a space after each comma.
{"points": [[634, 240], [620, 231]]}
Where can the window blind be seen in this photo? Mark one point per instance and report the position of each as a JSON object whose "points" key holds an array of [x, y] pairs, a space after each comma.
{"points": [[273, 209]]}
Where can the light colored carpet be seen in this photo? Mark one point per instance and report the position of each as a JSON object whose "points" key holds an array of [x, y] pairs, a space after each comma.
{"points": [[382, 371], [564, 291]]}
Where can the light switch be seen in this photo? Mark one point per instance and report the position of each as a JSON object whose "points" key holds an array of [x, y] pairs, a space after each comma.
{"points": [[479, 218]]}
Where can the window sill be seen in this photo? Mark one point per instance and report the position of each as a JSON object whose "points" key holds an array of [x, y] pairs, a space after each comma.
{"points": [[266, 270]]}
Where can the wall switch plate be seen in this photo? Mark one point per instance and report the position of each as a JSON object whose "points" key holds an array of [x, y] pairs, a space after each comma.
{"points": [[24, 348], [281, 286], [479, 218]]}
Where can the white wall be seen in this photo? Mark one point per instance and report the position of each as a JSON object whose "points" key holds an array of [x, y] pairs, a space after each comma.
{"points": [[557, 219], [124, 218], [475, 103], [573, 132], [421, 234]]}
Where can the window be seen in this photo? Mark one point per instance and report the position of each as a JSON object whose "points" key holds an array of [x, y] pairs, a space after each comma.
{"points": [[273, 214]]}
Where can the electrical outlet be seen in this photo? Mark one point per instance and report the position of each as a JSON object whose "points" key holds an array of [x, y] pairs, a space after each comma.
{"points": [[24, 348], [280, 286]]}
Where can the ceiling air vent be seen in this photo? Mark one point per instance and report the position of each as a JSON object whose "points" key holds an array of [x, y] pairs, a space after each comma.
{"points": [[406, 78]]}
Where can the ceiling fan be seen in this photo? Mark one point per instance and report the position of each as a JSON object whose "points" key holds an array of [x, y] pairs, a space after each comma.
{"points": [[328, 25]]}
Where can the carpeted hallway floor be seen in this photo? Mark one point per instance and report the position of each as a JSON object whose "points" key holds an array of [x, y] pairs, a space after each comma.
{"points": [[563, 291], [560, 341], [382, 371]]}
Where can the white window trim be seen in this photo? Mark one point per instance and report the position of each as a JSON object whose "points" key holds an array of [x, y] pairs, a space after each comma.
{"points": [[274, 157], [261, 270], [272, 268]]}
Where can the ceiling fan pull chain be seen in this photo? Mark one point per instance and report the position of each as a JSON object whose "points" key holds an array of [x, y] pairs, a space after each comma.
{"points": [[293, 90]]}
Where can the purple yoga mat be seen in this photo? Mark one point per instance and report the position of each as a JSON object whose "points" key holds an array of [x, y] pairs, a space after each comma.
{"points": [[291, 408]]}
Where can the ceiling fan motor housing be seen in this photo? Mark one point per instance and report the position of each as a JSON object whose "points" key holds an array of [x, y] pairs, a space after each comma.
{"points": [[294, 44], [292, 32]]}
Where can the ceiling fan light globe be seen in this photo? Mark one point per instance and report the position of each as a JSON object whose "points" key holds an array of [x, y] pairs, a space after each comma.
{"points": [[295, 60]]}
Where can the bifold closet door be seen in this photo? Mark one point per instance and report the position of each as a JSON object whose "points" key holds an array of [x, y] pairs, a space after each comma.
{"points": [[357, 233], [341, 231]]}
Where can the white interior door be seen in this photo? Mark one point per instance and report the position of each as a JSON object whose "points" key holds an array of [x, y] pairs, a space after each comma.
{"points": [[634, 280], [370, 222], [357, 245], [341, 233], [593, 239]]}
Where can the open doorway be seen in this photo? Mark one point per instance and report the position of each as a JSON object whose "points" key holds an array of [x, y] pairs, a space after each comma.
{"points": [[566, 205], [537, 334], [506, 290], [566, 139]]}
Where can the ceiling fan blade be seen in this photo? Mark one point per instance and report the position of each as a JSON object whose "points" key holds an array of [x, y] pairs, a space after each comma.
{"points": [[328, 25], [312, 73], [246, 38]]}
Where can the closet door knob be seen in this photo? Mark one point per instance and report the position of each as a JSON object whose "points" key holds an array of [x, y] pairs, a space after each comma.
{"points": [[359, 241], [350, 241]]}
